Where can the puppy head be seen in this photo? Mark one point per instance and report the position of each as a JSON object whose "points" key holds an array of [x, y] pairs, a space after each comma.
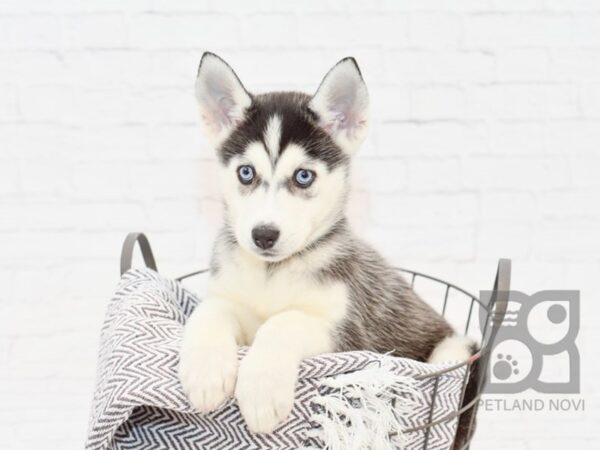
{"points": [[284, 156]]}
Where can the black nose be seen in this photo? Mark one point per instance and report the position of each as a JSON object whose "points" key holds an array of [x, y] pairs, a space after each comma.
{"points": [[265, 236]]}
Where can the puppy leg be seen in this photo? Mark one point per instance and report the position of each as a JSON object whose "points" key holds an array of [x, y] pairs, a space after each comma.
{"points": [[208, 359], [267, 376]]}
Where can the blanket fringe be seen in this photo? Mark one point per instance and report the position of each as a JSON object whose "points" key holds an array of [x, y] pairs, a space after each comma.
{"points": [[362, 409]]}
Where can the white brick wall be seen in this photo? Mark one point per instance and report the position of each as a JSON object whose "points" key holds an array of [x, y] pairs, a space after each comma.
{"points": [[485, 143]]}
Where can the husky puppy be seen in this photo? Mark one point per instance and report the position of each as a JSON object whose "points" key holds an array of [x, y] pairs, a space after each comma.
{"points": [[288, 277]]}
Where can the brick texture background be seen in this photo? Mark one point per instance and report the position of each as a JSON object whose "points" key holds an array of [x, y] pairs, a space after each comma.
{"points": [[485, 143]]}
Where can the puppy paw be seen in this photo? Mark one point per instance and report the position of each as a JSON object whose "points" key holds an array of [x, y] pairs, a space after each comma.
{"points": [[265, 391], [208, 374]]}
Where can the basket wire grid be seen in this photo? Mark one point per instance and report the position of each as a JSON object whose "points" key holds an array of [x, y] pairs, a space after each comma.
{"points": [[493, 312]]}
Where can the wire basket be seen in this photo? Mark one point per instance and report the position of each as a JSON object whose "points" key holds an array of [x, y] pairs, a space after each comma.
{"points": [[490, 311]]}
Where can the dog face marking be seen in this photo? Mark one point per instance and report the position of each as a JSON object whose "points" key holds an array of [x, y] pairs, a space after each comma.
{"points": [[272, 137], [275, 199], [284, 157]]}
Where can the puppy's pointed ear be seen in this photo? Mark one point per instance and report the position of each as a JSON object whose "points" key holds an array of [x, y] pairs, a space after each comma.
{"points": [[221, 97], [342, 104]]}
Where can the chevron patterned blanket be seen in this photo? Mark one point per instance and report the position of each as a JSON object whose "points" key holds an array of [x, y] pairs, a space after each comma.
{"points": [[139, 404]]}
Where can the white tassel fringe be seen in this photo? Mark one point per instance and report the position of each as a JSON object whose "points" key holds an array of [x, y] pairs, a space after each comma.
{"points": [[358, 414]]}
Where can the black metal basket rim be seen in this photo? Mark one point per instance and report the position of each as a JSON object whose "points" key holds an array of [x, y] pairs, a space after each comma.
{"points": [[420, 274], [439, 280], [191, 274], [436, 373]]}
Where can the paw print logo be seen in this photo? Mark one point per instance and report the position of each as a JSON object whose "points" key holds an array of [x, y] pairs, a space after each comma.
{"points": [[505, 367], [535, 340], [510, 365]]}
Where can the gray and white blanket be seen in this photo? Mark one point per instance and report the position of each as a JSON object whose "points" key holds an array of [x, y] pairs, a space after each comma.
{"points": [[139, 404]]}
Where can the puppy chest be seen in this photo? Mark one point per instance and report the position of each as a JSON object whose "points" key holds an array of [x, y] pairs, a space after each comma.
{"points": [[265, 294]]}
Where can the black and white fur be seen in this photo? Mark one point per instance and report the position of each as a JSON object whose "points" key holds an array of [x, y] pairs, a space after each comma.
{"points": [[310, 286]]}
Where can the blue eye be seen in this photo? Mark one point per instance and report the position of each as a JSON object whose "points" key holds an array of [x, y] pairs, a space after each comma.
{"points": [[304, 177], [246, 174]]}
